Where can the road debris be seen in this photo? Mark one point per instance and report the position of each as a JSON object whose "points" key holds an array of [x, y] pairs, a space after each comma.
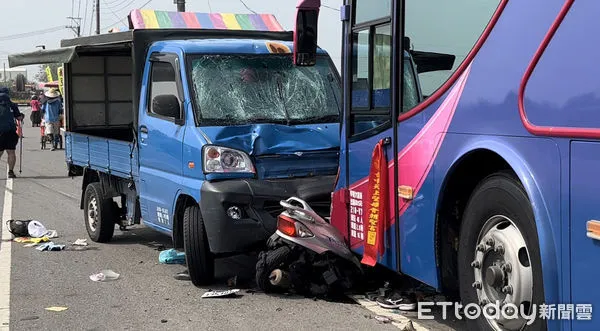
{"points": [[50, 246], [36, 229], [24, 240], [383, 319], [171, 256], [58, 309], [80, 242], [409, 327], [30, 318], [104, 276], [220, 294], [156, 245]]}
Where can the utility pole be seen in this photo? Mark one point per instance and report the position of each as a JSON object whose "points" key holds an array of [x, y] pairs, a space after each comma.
{"points": [[180, 5], [97, 16], [77, 27]]}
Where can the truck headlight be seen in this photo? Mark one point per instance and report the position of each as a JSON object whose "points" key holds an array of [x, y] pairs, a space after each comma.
{"points": [[216, 159]]}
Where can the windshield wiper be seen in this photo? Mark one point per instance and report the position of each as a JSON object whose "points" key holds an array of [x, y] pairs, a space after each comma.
{"points": [[318, 119], [267, 120]]}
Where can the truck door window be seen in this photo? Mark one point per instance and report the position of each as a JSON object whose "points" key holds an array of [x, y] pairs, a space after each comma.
{"points": [[162, 81]]}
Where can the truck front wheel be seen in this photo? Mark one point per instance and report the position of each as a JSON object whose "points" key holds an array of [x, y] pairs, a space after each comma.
{"points": [[98, 214], [499, 261], [199, 259]]}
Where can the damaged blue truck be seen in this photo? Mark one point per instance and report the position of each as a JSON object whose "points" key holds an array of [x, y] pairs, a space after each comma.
{"points": [[196, 133]]}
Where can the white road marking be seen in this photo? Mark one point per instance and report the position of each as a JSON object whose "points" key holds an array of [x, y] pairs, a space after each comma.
{"points": [[5, 257], [398, 320]]}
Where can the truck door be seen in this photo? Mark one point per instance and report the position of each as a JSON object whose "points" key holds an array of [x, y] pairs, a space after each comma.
{"points": [[160, 139]]}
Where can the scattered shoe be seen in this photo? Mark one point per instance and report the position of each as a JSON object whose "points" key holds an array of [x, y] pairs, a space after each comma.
{"points": [[397, 300], [11, 174]]}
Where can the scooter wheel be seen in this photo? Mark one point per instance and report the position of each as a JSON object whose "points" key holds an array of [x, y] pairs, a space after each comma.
{"points": [[267, 262]]}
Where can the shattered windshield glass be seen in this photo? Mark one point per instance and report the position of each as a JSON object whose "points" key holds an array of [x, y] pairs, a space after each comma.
{"points": [[245, 89]]}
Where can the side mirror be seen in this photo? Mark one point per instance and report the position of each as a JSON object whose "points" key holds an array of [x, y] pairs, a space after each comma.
{"points": [[305, 32], [167, 105]]}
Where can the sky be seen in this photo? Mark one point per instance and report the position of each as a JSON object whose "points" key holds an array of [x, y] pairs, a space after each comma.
{"points": [[23, 20]]}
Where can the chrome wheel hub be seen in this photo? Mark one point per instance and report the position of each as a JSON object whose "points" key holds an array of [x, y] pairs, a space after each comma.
{"points": [[92, 213], [503, 275]]}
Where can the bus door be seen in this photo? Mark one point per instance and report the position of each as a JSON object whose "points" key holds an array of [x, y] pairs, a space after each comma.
{"points": [[371, 122]]}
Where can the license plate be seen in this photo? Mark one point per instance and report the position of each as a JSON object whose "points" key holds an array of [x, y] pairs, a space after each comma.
{"points": [[213, 294]]}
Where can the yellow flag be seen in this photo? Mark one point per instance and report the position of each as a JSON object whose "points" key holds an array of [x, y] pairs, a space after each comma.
{"points": [[49, 74], [59, 73]]}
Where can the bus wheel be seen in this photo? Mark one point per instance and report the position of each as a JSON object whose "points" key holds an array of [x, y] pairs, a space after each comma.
{"points": [[500, 270], [200, 261]]}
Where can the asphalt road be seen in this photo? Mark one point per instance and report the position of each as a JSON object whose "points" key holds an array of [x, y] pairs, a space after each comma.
{"points": [[146, 296]]}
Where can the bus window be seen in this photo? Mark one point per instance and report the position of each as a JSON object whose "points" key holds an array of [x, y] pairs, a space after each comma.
{"points": [[369, 10], [445, 27], [410, 93], [371, 78]]}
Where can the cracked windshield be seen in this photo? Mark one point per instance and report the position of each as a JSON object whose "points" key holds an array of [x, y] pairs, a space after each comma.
{"points": [[251, 89]]}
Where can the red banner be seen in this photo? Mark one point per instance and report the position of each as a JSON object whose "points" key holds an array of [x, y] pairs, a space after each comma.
{"points": [[374, 218]]}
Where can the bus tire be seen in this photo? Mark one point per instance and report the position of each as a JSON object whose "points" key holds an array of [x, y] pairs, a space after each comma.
{"points": [[499, 256], [98, 214], [200, 261]]}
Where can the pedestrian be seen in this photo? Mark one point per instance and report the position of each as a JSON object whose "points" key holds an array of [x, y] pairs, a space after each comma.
{"points": [[36, 114], [53, 109], [9, 138]]}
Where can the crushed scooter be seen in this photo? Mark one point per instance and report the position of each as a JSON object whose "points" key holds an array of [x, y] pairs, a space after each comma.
{"points": [[306, 256]]}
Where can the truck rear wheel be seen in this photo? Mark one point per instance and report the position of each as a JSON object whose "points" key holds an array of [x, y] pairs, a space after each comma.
{"points": [[499, 261], [98, 214], [200, 261]]}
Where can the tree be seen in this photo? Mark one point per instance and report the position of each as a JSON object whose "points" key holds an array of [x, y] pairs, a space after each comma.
{"points": [[41, 76]]}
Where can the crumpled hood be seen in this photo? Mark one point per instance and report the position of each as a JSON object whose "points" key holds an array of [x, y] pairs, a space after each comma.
{"points": [[266, 139]]}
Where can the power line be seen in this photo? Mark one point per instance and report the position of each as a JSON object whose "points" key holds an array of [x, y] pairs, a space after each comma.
{"points": [[79, 9], [85, 14], [32, 33], [209, 6], [126, 24], [243, 3], [124, 7], [114, 14], [92, 19]]}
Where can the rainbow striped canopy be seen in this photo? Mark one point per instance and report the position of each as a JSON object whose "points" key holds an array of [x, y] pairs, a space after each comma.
{"points": [[156, 19]]}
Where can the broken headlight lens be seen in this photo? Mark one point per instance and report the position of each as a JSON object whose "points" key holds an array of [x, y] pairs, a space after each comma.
{"points": [[216, 159]]}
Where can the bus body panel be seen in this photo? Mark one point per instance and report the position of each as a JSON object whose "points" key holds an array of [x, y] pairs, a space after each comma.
{"points": [[557, 171]]}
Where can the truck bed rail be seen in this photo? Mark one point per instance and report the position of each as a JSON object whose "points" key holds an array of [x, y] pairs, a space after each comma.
{"points": [[115, 157]]}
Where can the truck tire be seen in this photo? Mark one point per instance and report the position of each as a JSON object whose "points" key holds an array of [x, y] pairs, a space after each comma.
{"points": [[499, 256], [200, 261], [98, 214]]}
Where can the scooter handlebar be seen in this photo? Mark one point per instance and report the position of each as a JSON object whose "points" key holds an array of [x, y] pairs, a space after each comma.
{"points": [[305, 209]]}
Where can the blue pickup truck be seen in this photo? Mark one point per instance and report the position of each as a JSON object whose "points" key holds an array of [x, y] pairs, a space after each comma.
{"points": [[196, 133]]}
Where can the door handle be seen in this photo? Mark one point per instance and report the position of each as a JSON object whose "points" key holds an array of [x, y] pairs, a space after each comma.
{"points": [[143, 133]]}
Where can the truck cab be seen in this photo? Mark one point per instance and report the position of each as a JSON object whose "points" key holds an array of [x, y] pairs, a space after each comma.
{"points": [[196, 131]]}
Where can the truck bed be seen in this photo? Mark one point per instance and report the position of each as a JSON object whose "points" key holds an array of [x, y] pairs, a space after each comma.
{"points": [[111, 156]]}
